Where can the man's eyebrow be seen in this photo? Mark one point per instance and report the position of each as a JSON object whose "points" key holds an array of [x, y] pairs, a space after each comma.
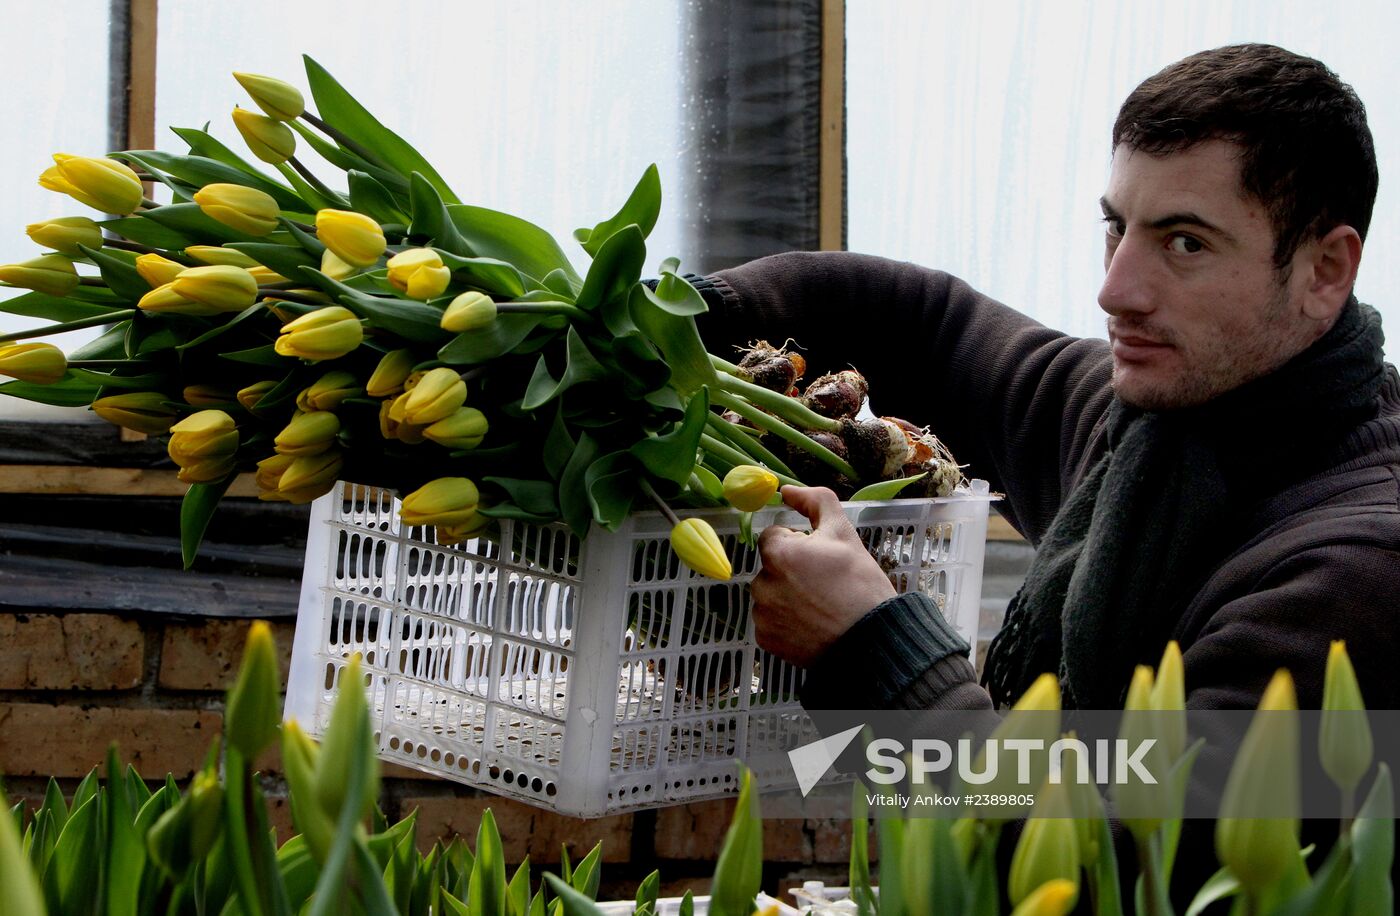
{"points": [[1183, 218]]}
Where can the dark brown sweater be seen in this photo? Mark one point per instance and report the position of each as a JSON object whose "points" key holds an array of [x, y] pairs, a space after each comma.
{"points": [[1023, 406]]}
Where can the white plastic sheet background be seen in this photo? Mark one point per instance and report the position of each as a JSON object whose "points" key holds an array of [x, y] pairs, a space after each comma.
{"points": [[978, 133]]}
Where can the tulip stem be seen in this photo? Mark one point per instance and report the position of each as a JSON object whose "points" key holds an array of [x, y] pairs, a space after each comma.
{"points": [[106, 363], [343, 140], [149, 204], [726, 366], [734, 456], [91, 281], [790, 409], [666, 510], [782, 430], [743, 441], [124, 245], [331, 196], [94, 321]]}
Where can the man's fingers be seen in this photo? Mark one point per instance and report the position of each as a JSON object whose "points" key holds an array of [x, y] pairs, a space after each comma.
{"points": [[821, 506]]}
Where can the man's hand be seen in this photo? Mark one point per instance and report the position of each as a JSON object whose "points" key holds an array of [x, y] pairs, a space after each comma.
{"points": [[813, 587]]}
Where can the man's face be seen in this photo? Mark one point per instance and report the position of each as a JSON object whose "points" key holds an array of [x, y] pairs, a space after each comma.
{"points": [[1195, 305]]}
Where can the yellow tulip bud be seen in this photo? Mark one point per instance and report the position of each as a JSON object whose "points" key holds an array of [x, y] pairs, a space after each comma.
{"points": [[204, 445], [308, 434], [1168, 699], [429, 282], [148, 412], [50, 274], [206, 396], [277, 99], [300, 758], [328, 391], [696, 543], [269, 475], [1138, 725], [255, 392], [1048, 847], [222, 287], [446, 536], [310, 476], [348, 737], [264, 275], [469, 312], [355, 238], [405, 264], [216, 255], [39, 363], [436, 397], [164, 299], [254, 706], [323, 334], [464, 428], [103, 184], [447, 501], [156, 270], [1053, 898], [749, 487], [268, 139], [65, 234], [1256, 836], [1086, 807], [388, 377], [413, 379], [206, 813], [247, 210], [1345, 740], [335, 268]]}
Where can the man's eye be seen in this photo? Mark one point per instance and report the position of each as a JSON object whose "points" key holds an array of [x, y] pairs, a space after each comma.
{"points": [[1114, 228], [1185, 244]]}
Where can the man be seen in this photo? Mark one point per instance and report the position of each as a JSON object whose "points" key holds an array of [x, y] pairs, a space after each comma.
{"points": [[1222, 471]]}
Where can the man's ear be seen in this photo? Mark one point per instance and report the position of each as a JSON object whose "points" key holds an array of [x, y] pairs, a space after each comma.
{"points": [[1335, 258]]}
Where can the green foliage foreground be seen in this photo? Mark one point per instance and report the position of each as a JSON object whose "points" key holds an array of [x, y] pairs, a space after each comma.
{"points": [[119, 848]]}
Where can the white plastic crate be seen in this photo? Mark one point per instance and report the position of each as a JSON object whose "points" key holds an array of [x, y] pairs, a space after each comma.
{"points": [[589, 677]]}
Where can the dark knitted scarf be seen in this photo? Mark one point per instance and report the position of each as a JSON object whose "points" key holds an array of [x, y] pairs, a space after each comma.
{"points": [[1147, 524]]}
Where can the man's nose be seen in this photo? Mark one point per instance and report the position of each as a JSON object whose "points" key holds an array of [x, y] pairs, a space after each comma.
{"points": [[1126, 283]]}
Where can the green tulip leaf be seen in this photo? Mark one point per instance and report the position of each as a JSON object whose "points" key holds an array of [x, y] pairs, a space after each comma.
{"points": [[492, 234], [885, 489], [536, 497], [198, 171], [486, 894], [198, 506], [574, 505], [259, 356], [203, 144], [588, 873], [111, 344], [675, 336], [1221, 885], [21, 894], [739, 869], [126, 849], [430, 219], [574, 903], [284, 259], [369, 196], [118, 272], [257, 308], [407, 318], [611, 482], [581, 366], [503, 336], [70, 881], [672, 456], [557, 281], [558, 445], [340, 109], [1110, 901], [309, 243], [146, 232], [1373, 845], [615, 268], [54, 308], [190, 221], [859, 871], [69, 391], [641, 367], [490, 274], [642, 208], [105, 380]]}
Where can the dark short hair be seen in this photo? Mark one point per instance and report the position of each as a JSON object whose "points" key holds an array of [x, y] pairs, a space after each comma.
{"points": [[1306, 152]]}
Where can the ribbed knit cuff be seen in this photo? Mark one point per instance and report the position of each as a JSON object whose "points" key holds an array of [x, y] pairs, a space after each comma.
{"points": [[877, 660]]}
